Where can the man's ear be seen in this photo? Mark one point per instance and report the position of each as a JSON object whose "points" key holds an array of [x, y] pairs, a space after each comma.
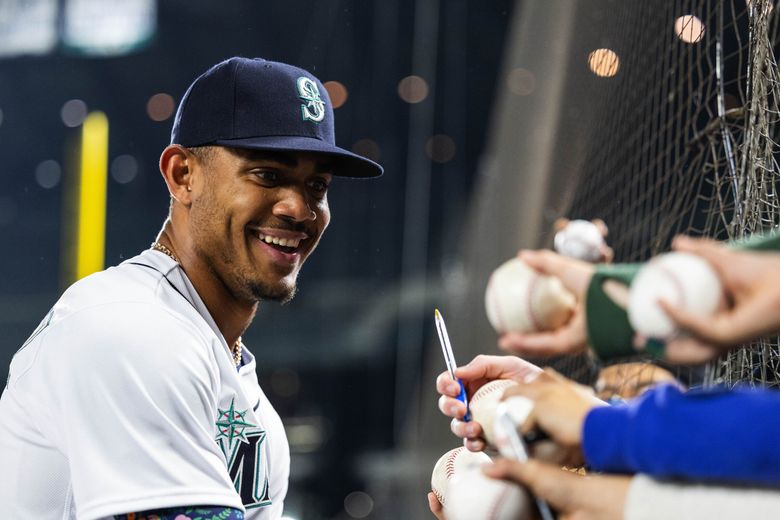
{"points": [[176, 168]]}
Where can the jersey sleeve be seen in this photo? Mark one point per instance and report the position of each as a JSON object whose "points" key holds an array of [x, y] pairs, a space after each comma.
{"points": [[650, 499], [707, 435], [133, 403], [609, 333], [759, 242]]}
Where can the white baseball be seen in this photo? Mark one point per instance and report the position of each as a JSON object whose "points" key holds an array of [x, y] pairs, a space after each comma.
{"points": [[451, 463], [473, 496], [681, 279], [580, 239], [484, 402], [520, 299]]}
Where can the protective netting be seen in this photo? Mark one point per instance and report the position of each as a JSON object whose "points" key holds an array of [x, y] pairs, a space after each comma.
{"points": [[684, 140]]}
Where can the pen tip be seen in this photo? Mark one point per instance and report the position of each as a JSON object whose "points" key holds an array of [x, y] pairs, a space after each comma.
{"points": [[436, 312]]}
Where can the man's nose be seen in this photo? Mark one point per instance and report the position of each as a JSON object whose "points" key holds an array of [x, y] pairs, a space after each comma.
{"points": [[293, 205]]}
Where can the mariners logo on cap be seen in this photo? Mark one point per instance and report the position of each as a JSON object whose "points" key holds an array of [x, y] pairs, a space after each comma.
{"points": [[314, 108]]}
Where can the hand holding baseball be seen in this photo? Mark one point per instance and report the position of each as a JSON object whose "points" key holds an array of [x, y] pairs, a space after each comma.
{"points": [[571, 337], [572, 495], [752, 290], [582, 239], [560, 408], [481, 370], [435, 506]]}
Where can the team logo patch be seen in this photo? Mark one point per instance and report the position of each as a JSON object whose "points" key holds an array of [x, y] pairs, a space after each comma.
{"points": [[314, 108], [242, 444]]}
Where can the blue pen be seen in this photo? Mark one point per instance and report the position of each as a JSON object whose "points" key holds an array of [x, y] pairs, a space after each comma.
{"points": [[446, 348]]}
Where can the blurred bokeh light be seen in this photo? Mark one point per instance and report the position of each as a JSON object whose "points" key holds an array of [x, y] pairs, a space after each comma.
{"points": [[604, 62], [413, 89], [338, 93]]}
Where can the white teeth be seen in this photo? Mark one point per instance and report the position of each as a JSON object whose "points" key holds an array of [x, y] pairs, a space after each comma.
{"points": [[284, 242]]}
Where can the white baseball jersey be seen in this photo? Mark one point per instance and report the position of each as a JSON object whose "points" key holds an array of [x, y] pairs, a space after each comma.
{"points": [[126, 398]]}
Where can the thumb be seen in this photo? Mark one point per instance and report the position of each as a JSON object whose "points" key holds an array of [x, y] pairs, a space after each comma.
{"points": [[545, 481], [699, 326], [477, 368], [482, 367], [542, 261], [574, 274]]}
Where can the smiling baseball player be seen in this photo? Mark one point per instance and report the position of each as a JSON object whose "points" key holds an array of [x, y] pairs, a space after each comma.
{"points": [[135, 397]]}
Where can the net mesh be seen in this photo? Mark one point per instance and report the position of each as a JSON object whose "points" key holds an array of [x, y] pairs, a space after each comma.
{"points": [[684, 140]]}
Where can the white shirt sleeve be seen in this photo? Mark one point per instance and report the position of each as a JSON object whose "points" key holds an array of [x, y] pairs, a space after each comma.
{"points": [[650, 499], [133, 407]]}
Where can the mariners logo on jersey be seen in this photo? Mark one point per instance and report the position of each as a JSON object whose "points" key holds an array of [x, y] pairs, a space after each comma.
{"points": [[314, 108], [242, 444]]}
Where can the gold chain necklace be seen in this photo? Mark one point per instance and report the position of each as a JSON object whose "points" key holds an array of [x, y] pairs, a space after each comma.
{"points": [[238, 345], [164, 250]]}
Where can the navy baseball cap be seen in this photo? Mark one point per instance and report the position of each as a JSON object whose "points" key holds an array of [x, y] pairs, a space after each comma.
{"points": [[264, 105]]}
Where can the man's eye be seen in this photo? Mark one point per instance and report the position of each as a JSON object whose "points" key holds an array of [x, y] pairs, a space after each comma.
{"points": [[319, 185], [266, 175]]}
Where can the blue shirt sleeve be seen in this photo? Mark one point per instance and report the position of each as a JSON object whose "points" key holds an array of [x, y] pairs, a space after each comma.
{"points": [[704, 435]]}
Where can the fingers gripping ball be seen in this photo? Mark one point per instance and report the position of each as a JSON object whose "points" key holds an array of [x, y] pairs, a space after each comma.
{"points": [[451, 463], [518, 299], [683, 280], [483, 405], [580, 239], [473, 496], [519, 408]]}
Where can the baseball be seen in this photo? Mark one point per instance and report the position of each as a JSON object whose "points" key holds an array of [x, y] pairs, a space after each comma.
{"points": [[473, 496], [453, 462], [580, 239], [483, 405], [681, 279], [521, 300]]}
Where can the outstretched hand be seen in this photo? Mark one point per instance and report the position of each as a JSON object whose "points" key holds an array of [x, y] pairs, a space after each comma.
{"points": [[572, 495], [560, 408], [481, 370], [435, 506], [570, 338], [752, 288]]}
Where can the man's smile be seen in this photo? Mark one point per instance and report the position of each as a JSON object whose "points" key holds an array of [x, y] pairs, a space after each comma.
{"points": [[282, 245]]}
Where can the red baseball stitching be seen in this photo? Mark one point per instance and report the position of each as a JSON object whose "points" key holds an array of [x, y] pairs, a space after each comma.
{"points": [[493, 511], [675, 282], [490, 389], [449, 466], [438, 495], [533, 318]]}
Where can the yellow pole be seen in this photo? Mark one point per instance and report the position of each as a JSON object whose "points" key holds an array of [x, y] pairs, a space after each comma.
{"points": [[91, 230]]}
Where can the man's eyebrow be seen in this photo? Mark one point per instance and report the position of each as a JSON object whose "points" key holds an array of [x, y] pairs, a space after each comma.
{"points": [[324, 165], [284, 158]]}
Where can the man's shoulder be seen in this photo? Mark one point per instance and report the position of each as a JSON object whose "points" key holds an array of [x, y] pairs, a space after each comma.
{"points": [[132, 280], [130, 303], [112, 339], [123, 290]]}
